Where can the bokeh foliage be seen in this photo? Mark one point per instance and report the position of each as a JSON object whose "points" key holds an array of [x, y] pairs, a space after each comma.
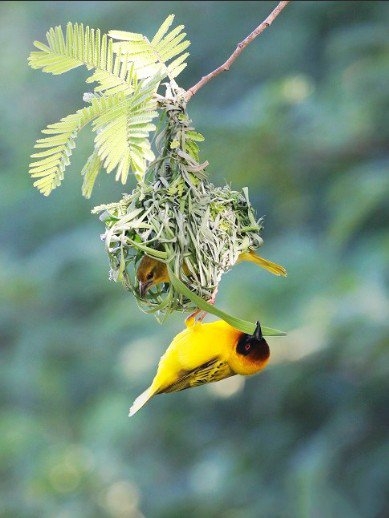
{"points": [[301, 119]]}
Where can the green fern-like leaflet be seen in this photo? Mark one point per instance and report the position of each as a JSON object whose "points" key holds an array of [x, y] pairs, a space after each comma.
{"points": [[128, 73]]}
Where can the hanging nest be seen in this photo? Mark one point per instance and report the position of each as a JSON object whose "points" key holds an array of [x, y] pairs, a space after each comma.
{"points": [[177, 217], [207, 233]]}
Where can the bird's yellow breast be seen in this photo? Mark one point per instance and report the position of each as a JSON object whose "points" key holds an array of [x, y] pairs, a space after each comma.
{"points": [[196, 345]]}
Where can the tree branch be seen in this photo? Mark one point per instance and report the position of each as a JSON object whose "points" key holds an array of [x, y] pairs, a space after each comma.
{"points": [[239, 49]]}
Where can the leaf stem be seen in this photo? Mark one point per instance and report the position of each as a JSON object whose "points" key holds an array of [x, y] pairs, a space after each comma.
{"points": [[239, 49]]}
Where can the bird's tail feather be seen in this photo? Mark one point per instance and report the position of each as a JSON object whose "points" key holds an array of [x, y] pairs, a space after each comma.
{"points": [[274, 268], [140, 401]]}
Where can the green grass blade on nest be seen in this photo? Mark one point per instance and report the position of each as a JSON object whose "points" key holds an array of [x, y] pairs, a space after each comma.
{"points": [[242, 325]]}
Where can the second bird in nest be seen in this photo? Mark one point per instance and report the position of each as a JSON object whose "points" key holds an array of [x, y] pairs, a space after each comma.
{"points": [[151, 272]]}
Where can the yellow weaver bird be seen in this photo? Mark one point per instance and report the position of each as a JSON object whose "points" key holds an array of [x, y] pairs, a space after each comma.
{"points": [[151, 272], [204, 353]]}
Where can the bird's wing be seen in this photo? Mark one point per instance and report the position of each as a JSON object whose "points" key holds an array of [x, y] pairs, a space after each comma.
{"points": [[213, 370]]}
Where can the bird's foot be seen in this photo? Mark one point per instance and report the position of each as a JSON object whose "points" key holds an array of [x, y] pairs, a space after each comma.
{"points": [[213, 298], [196, 316], [199, 315]]}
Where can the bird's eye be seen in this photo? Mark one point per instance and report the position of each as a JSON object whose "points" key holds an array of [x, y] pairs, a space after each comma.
{"points": [[149, 276], [246, 345]]}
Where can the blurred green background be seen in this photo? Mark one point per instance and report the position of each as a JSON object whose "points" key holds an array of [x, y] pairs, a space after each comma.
{"points": [[301, 119]]}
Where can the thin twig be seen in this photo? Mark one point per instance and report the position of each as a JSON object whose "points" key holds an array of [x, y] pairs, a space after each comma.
{"points": [[242, 45]]}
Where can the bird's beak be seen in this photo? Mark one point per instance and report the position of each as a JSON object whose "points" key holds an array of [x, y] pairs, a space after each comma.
{"points": [[258, 332], [143, 288]]}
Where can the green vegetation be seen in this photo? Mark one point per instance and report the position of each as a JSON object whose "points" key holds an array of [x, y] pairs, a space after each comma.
{"points": [[301, 120]]}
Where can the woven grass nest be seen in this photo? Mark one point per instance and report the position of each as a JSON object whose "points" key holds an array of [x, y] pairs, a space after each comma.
{"points": [[208, 229], [175, 214]]}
